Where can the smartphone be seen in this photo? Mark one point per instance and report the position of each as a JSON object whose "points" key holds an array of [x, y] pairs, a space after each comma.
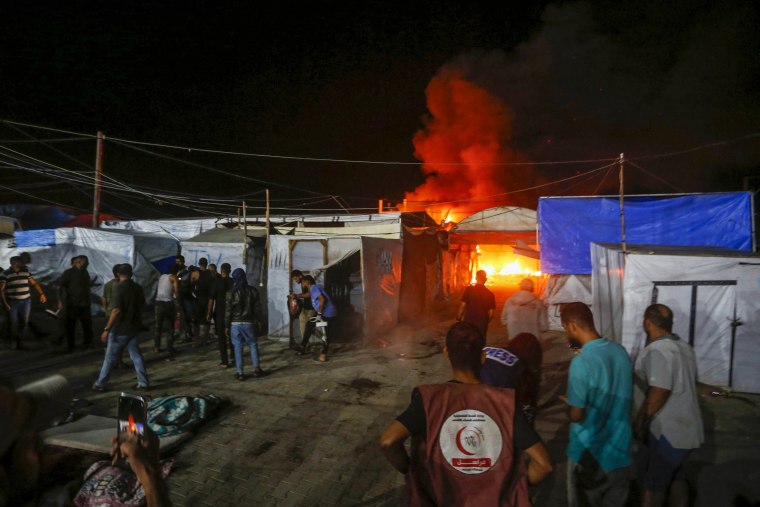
{"points": [[133, 414]]}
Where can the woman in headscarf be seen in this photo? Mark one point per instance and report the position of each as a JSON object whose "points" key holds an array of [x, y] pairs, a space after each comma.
{"points": [[242, 312]]}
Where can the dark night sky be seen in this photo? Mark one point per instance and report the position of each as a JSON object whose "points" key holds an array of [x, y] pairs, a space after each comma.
{"points": [[347, 80]]}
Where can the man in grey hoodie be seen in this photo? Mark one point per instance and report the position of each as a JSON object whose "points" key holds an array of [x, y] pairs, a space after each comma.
{"points": [[524, 313]]}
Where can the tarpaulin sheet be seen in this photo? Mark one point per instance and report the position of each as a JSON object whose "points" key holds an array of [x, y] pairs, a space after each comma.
{"points": [[39, 237], [568, 225], [104, 248]]}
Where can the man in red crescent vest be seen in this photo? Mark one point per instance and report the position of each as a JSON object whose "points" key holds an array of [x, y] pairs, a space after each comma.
{"points": [[470, 446]]}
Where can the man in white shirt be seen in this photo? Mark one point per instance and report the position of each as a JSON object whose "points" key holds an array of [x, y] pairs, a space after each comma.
{"points": [[668, 420], [524, 313]]}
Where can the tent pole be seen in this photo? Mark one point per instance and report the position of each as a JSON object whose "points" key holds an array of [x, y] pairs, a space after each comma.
{"points": [[266, 253], [245, 237], [622, 204], [98, 175]]}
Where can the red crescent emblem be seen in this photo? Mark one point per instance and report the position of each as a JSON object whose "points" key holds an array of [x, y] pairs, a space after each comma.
{"points": [[459, 443]]}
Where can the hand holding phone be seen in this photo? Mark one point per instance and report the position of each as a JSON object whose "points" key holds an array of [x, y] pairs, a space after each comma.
{"points": [[133, 416]]}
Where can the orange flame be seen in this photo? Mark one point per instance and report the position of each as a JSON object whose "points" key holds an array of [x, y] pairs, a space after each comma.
{"points": [[497, 263], [463, 143]]}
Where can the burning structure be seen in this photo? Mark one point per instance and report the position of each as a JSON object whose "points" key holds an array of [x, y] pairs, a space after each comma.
{"points": [[501, 241], [464, 149]]}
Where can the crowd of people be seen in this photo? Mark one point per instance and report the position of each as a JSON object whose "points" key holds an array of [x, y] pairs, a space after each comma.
{"points": [[473, 440], [189, 302]]}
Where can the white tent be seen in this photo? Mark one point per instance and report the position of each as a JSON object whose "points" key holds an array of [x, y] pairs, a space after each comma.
{"points": [[241, 249], [714, 294], [52, 250], [562, 289], [373, 295], [180, 228]]}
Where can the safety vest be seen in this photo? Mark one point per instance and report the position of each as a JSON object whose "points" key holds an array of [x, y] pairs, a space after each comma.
{"points": [[467, 456]]}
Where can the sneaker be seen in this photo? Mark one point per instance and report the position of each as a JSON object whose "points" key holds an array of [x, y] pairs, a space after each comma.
{"points": [[96, 387], [322, 358], [138, 387], [258, 373], [224, 365], [239, 376]]}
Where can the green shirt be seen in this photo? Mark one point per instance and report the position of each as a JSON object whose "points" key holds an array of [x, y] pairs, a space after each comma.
{"points": [[108, 293]]}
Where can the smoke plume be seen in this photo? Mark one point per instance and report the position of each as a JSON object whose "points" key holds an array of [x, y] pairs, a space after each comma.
{"points": [[596, 80]]}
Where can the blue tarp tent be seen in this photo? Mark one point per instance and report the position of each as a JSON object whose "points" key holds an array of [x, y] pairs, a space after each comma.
{"points": [[568, 225]]}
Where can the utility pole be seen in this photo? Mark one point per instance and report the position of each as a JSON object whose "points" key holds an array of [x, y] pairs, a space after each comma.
{"points": [[98, 175], [622, 202]]}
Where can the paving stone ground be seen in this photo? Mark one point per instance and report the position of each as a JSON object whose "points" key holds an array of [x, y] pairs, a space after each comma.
{"points": [[306, 434]]}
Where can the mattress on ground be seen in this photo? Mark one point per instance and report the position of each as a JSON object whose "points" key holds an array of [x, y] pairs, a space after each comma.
{"points": [[93, 433]]}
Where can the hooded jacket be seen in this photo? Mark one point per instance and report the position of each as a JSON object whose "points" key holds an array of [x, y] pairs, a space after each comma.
{"points": [[523, 313]]}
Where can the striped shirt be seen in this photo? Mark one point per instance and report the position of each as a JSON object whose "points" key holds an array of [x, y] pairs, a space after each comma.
{"points": [[16, 284]]}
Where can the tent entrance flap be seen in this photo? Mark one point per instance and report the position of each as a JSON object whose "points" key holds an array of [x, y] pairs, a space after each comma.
{"points": [[715, 348], [746, 326]]}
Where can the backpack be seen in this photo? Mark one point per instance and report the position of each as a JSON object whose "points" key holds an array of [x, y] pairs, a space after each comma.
{"points": [[172, 415]]}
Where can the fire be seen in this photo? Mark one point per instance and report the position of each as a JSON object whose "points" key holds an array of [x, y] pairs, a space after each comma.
{"points": [[464, 141], [498, 263], [131, 426]]}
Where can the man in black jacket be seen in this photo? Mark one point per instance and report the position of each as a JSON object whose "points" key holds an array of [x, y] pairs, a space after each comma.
{"points": [[74, 293], [241, 313]]}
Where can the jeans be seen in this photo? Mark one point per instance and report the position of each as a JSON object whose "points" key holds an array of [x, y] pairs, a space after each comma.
{"points": [[608, 489], [240, 334], [19, 318], [116, 344]]}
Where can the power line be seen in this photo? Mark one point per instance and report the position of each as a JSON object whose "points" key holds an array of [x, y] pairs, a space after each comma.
{"points": [[492, 197], [382, 162], [41, 199], [696, 148], [653, 175]]}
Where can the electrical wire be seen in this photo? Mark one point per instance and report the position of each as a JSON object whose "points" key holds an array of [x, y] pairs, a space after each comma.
{"points": [[384, 162], [658, 178], [60, 205], [50, 140], [492, 197]]}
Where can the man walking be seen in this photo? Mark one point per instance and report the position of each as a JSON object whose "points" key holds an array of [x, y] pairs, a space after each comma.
{"points": [[467, 438], [524, 313], [668, 421], [122, 330], [166, 309], [599, 391], [15, 292], [478, 304], [304, 298], [242, 313], [201, 281], [185, 297], [216, 308], [74, 292]]}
